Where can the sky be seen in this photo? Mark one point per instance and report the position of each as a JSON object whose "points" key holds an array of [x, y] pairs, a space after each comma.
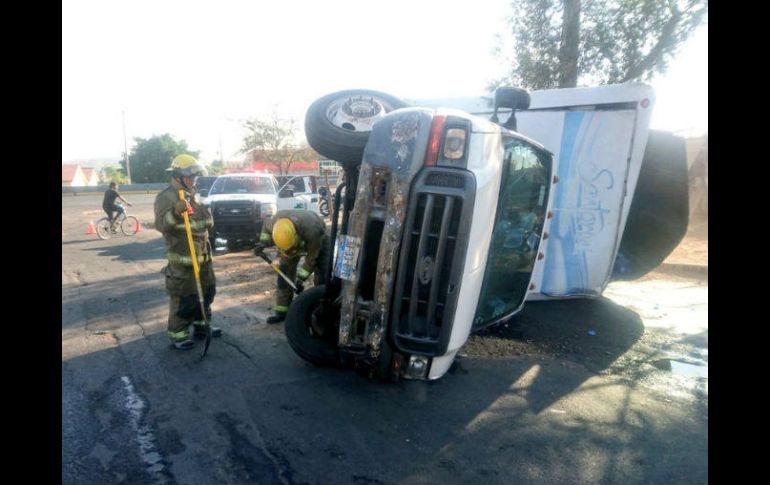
{"points": [[194, 69]]}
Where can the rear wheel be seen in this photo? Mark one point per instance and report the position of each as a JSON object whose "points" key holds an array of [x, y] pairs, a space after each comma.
{"points": [[103, 229], [129, 225], [311, 332]]}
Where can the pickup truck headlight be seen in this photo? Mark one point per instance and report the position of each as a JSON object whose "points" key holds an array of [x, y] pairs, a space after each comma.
{"points": [[268, 210], [454, 144], [448, 142]]}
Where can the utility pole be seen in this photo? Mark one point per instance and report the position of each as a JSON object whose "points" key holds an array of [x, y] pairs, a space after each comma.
{"points": [[125, 147]]}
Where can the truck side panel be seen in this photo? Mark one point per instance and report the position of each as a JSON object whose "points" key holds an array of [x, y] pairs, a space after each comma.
{"points": [[593, 166]]}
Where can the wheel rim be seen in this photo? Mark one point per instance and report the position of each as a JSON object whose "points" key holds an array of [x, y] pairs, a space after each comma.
{"points": [[129, 226], [356, 113], [103, 229]]}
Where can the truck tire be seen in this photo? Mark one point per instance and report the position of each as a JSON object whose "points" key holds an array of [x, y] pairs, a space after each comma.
{"points": [[317, 351], [338, 125]]}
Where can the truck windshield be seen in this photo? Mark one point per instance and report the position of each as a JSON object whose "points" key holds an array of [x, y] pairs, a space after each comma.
{"points": [[521, 211], [242, 185]]}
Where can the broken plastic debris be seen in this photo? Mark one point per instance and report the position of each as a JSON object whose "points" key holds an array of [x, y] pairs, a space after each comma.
{"points": [[592, 332]]}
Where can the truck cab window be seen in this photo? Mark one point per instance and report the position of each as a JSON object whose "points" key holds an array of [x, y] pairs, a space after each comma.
{"points": [[516, 233]]}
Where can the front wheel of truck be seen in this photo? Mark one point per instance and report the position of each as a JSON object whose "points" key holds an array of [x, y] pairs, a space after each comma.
{"points": [[311, 329], [338, 125]]}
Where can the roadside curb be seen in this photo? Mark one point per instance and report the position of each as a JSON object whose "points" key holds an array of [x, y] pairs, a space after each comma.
{"points": [[684, 269]]}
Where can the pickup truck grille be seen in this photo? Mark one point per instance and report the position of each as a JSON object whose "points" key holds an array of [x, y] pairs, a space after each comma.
{"points": [[236, 208], [237, 219], [431, 260]]}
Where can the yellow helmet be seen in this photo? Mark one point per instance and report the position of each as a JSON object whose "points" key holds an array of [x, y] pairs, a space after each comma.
{"points": [[284, 234], [186, 166]]}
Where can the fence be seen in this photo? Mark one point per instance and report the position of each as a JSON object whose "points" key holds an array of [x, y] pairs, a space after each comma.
{"points": [[124, 188]]}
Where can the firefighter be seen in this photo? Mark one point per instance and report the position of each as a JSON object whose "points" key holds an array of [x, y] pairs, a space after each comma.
{"points": [[295, 233], [184, 306]]}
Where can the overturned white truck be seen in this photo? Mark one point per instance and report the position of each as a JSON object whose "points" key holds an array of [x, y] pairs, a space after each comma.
{"points": [[451, 220]]}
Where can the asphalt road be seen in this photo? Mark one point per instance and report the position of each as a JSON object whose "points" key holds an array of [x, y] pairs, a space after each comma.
{"points": [[570, 392]]}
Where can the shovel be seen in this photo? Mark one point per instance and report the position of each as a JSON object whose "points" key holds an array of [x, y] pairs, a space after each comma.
{"points": [[280, 273], [197, 273]]}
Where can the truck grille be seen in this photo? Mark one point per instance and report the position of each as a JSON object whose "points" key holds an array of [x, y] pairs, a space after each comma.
{"points": [[237, 219], [431, 261], [236, 208]]}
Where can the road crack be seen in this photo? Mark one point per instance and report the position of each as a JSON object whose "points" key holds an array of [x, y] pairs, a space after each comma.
{"points": [[241, 351]]}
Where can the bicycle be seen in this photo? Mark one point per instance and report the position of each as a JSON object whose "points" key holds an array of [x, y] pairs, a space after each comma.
{"points": [[128, 225]]}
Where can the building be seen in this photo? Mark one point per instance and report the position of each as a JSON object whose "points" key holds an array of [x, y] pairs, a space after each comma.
{"points": [[91, 177], [72, 175], [329, 167], [255, 161]]}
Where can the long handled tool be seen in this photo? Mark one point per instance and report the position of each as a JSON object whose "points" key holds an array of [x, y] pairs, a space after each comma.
{"points": [[280, 273], [197, 272]]}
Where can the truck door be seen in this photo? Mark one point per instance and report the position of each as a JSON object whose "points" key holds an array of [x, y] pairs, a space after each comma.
{"points": [[312, 193], [293, 193]]}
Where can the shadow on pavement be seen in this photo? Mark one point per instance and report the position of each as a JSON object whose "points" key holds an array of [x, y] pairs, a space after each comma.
{"points": [[591, 332], [130, 249]]}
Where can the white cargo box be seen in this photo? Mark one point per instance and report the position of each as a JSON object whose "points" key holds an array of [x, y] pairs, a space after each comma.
{"points": [[598, 136]]}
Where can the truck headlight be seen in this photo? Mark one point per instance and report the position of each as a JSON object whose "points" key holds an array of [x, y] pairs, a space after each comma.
{"points": [[448, 142], [454, 144], [268, 210]]}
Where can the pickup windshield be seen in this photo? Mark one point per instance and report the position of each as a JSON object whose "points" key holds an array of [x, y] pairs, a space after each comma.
{"points": [[242, 185]]}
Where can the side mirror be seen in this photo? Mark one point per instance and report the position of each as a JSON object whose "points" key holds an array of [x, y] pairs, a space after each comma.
{"points": [[204, 192], [513, 98], [286, 193]]}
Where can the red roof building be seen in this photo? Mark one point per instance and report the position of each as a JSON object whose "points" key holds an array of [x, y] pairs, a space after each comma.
{"points": [[72, 175]]}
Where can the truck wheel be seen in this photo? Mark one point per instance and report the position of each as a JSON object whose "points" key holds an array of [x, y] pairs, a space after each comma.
{"points": [[338, 125], [318, 350]]}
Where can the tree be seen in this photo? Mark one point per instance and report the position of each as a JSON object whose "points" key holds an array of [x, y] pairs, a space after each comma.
{"points": [[114, 174], [273, 140], [151, 157], [217, 167], [559, 43]]}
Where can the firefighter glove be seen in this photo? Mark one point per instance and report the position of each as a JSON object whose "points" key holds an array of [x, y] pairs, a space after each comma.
{"points": [[180, 206]]}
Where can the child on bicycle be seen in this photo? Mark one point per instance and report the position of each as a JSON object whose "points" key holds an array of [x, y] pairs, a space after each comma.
{"points": [[108, 203]]}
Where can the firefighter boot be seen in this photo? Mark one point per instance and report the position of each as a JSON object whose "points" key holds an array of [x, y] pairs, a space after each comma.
{"points": [[277, 317], [199, 330]]}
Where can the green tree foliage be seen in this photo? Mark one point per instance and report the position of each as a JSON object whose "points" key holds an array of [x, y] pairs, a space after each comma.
{"points": [[217, 167], [150, 158], [274, 140], [560, 43], [113, 174]]}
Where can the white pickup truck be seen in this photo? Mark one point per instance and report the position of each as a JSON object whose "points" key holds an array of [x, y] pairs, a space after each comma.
{"points": [[239, 202]]}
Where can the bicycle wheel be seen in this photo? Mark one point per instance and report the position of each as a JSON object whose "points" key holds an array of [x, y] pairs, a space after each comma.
{"points": [[129, 225], [103, 228]]}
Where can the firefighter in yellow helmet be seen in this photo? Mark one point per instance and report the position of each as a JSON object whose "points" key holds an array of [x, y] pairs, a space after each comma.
{"points": [[184, 307], [295, 233]]}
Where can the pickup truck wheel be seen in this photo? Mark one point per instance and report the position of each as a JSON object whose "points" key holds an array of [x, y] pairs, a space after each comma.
{"points": [[318, 350], [338, 125]]}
